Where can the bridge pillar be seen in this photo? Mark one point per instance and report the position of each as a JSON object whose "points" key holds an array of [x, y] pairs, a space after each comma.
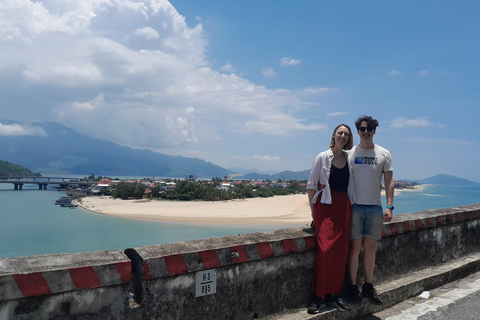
{"points": [[42, 186], [18, 186]]}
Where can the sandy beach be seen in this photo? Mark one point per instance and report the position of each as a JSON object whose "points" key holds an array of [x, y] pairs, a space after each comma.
{"points": [[278, 210]]}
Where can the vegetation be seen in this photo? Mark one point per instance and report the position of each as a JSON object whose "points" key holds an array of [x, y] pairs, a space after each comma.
{"points": [[186, 190], [8, 170], [126, 190]]}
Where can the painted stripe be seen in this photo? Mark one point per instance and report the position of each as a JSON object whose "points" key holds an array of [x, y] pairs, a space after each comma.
{"points": [[124, 269], [146, 271], [175, 264], [311, 243], [32, 284], [209, 259], [265, 249], [289, 246], [428, 222], [394, 228], [242, 254], [84, 277], [418, 224], [384, 234]]}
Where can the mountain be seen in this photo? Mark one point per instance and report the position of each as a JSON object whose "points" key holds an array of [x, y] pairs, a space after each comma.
{"points": [[8, 169], [253, 170], [284, 175], [63, 150], [447, 179]]}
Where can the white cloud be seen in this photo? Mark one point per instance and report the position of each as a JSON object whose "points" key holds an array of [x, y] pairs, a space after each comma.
{"points": [[423, 73], [394, 73], [289, 62], [148, 33], [265, 157], [135, 73], [402, 122], [334, 114], [227, 68], [270, 72], [14, 130]]}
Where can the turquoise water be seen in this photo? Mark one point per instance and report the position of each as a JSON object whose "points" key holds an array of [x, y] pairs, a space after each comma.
{"points": [[32, 224]]}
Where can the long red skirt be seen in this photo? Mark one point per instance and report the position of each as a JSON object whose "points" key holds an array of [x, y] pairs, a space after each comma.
{"points": [[332, 229]]}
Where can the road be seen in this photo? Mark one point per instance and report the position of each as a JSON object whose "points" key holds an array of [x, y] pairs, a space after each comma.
{"points": [[459, 300]]}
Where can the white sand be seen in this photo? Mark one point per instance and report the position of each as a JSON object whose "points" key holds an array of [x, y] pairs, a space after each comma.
{"points": [[280, 210]]}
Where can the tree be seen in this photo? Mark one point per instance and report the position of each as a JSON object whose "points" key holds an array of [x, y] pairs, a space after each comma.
{"points": [[125, 190]]}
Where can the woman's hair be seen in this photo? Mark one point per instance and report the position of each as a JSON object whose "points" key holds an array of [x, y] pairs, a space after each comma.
{"points": [[349, 143]]}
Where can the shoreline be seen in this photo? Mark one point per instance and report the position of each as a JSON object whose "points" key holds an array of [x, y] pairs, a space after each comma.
{"points": [[278, 210], [289, 210]]}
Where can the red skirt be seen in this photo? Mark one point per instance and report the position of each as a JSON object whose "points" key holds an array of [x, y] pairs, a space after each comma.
{"points": [[332, 229]]}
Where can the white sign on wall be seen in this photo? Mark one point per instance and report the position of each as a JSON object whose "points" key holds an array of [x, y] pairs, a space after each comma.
{"points": [[206, 282]]}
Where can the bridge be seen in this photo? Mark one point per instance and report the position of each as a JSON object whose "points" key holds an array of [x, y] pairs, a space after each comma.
{"points": [[43, 182]]}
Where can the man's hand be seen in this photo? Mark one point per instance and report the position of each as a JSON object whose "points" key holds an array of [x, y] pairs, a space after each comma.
{"points": [[387, 215]]}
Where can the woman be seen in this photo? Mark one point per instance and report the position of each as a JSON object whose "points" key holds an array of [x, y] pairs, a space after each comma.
{"points": [[331, 217]]}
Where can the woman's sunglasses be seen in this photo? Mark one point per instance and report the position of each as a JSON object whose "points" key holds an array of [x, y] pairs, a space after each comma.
{"points": [[369, 129]]}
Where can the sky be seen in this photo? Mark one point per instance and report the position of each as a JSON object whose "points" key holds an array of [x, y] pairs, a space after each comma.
{"points": [[250, 84]]}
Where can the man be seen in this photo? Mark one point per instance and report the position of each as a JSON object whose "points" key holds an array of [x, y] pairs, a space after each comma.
{"points": [[369, 162]]}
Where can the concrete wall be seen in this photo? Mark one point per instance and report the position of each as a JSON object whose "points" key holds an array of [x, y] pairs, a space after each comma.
{"points": [[243, 277]]}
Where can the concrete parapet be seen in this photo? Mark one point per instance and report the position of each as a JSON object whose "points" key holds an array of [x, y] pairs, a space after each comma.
{"points": [[245, 276], [54, 286]]}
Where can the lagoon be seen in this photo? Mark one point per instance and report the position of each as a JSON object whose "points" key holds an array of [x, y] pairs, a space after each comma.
{"points": [[33, 224]]}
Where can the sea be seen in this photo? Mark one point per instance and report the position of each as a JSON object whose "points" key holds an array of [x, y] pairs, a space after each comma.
{"points": [[33, 225]]}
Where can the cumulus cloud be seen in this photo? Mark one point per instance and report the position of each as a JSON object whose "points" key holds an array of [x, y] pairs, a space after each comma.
{"points": [[13, 130], [402, 122], [270, 72], [227, 68], [289, 62], [135, 73], [148, 33]]}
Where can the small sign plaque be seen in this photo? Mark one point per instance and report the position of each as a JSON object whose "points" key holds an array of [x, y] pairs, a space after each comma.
{"points": [[206, 282]]}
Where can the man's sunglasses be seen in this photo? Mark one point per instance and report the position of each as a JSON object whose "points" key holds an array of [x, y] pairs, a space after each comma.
{"points": [[369, 129]]}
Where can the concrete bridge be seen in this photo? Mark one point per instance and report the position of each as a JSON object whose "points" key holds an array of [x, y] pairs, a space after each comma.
{"points": [[264, 275], [44, 182]]}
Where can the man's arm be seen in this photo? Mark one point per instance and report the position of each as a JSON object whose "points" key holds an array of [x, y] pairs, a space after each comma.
{"points": [[389, 191]]}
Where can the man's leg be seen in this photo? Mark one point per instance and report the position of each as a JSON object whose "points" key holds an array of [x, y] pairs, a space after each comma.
{"points": [[353, 255], [352, 265], [370, 247], [373, 232]]}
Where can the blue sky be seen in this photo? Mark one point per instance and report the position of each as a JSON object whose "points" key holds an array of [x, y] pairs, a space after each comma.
{"points": [[250, 84]]}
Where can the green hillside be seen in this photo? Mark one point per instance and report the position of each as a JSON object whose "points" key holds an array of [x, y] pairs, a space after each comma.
{"points": [[8, 169]]}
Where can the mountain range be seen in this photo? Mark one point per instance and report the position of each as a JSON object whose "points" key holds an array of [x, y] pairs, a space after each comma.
{"points": [[63, 150]]}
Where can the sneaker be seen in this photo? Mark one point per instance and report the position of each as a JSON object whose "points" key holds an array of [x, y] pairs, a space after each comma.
{"points": [[368, 291], [340, 303], [354, 294], [316, 306]]}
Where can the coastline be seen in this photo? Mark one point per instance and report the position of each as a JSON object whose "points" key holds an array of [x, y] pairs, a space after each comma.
{"points": [[277, 210], [286, 210]]}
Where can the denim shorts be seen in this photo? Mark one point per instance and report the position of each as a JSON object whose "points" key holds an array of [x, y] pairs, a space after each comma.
{"points": [[367, 221]]}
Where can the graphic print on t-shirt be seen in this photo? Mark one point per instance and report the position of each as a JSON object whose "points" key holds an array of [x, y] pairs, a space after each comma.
{"points": [[366, 160]]}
